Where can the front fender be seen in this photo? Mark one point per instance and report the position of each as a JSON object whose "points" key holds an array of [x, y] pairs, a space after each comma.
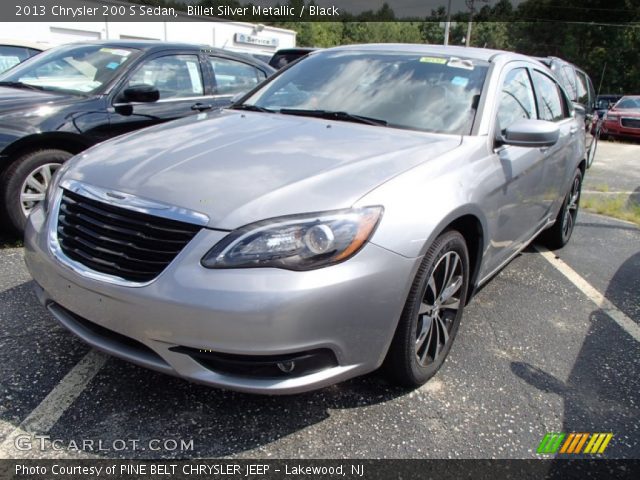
{"points": [[420, 203]]}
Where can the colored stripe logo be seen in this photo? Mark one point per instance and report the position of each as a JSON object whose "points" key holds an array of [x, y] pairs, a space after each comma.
{"points": [[573, 443]]}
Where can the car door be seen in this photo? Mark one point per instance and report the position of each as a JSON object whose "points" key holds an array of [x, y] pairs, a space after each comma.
{"points": [[554, 106], [179, 79], [517, 202]]}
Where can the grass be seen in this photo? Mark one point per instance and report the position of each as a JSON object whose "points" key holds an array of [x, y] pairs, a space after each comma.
{"points": [[617, 206]]}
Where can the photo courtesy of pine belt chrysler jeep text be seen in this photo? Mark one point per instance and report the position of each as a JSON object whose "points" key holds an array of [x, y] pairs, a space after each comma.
{"points": [[336, 218]]}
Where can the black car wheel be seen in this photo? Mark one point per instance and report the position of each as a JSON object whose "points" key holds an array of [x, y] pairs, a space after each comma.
{"points": [[25, 182], [432, 313], [560, 233]]}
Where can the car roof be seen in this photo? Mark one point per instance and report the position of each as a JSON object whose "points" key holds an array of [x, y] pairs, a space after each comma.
{"points": [[295, 50], [12, 42], [142, 44], [151, 46], [485, 54]]}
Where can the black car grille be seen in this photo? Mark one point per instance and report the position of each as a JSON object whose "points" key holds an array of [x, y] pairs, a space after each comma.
{"points": [[630, 122], [113, 240]]}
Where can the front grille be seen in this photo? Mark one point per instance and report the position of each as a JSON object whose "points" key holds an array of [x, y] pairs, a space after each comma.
{"points": [[116, 241], [630, 122]]}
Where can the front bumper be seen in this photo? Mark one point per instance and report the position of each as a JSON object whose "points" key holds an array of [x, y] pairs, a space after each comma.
{"points": [[615, 128], [350, 309]]}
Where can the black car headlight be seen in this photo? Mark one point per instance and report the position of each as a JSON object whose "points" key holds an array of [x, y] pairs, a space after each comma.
{"points": [[300, 242]]}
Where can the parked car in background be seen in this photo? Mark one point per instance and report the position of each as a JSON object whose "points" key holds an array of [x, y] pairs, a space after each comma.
{"points": [[285, 56], [338, 217], [578, 85], [603, 104], [263, 57], [74, 96], [13, 52], [623, 119]]}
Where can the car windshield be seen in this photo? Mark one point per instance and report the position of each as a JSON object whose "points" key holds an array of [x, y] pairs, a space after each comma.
{"points": [[402, 90], [76, 69], [629, 103]]}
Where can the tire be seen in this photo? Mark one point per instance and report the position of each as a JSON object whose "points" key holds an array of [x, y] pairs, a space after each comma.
{"points": [[38, 166], [559, 234], [591, 154], [414, 357]]}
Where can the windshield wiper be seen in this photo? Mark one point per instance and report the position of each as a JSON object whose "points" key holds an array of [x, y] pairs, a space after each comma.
{"points": [[21, 85], [250, 108], [343, 116]]}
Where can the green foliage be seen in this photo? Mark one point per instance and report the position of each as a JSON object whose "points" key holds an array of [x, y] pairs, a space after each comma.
{"points": [[597, 35]]}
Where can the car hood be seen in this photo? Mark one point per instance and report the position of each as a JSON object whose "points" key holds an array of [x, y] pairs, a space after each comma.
{"points": [[240, 167], [18, 99], [626, 112]]}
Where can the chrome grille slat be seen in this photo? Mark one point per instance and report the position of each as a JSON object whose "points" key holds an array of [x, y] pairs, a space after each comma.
{"points": [[130, 245]]}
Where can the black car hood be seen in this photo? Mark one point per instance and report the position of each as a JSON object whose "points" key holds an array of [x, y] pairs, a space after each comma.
{"points": [[18, 99]]}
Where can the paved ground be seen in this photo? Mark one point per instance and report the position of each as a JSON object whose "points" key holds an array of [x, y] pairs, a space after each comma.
{"points": [[534, 354], [616, 169]]}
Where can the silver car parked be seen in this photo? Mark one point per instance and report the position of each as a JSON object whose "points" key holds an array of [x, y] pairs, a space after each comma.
{"points": [[335, 219]]}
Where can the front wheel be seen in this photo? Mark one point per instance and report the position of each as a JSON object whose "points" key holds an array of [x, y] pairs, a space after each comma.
{"points": [[24, 183], [560, 233], [432, 313]]}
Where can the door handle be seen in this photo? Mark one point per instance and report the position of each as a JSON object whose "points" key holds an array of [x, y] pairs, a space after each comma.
{"points": [[573, 130], [201, 106]]}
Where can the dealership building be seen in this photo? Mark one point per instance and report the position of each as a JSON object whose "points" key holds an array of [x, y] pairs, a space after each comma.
{"points": [[237, 36]]}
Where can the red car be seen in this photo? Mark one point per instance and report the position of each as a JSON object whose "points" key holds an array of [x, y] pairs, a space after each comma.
{"points": [[623, 120]]}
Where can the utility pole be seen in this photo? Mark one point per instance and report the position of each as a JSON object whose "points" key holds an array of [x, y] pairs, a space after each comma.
{"points": [[447, 24], [471, 6]]}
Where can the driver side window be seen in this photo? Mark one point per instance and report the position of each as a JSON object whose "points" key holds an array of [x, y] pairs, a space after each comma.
{"points": [[175, 76], [516, 99]]}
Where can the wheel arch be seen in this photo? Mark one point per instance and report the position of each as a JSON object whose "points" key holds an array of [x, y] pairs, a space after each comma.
{"points": [[472, 225], [69, 142]]}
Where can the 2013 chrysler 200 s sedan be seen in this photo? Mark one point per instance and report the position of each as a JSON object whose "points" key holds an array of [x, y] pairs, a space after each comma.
{"points": [[335, 219]]}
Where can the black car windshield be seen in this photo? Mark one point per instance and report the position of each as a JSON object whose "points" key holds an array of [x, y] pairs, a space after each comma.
{"points": [[402, 90], [76, 69]]}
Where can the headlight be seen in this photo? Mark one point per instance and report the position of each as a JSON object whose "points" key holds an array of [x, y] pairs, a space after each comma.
{"points": [[301, 242]]}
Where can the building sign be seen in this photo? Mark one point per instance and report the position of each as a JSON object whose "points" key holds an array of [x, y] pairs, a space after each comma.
{"points": [[255, 40]]}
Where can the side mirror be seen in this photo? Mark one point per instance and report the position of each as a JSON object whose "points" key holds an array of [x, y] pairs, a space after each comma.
{"points": [[531, 133], [141, 93]]}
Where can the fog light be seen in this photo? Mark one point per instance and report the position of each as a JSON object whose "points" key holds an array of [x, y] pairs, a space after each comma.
{"points": [[286, 367]]}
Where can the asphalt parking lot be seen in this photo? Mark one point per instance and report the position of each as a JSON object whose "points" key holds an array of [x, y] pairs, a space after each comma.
{"points": [[550, 345]]}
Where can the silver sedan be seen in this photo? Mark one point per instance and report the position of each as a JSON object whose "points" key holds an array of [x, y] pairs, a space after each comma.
{"points": [[335, 219]]}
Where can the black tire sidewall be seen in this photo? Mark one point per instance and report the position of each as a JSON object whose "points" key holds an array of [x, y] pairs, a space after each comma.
{"points": [[565, 205], [15, 175], [403, 365]]}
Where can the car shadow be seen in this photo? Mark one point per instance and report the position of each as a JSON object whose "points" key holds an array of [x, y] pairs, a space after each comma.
{"points": [[127, 402], [602, 392]]}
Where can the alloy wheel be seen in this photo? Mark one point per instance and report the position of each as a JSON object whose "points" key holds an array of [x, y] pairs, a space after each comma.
{"points": [[571, 211], [439, 308], [34, 188]]}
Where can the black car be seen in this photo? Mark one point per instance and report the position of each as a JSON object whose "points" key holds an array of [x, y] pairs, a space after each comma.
{"points": [[581, 92], [69, 98], [285, 56]]}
